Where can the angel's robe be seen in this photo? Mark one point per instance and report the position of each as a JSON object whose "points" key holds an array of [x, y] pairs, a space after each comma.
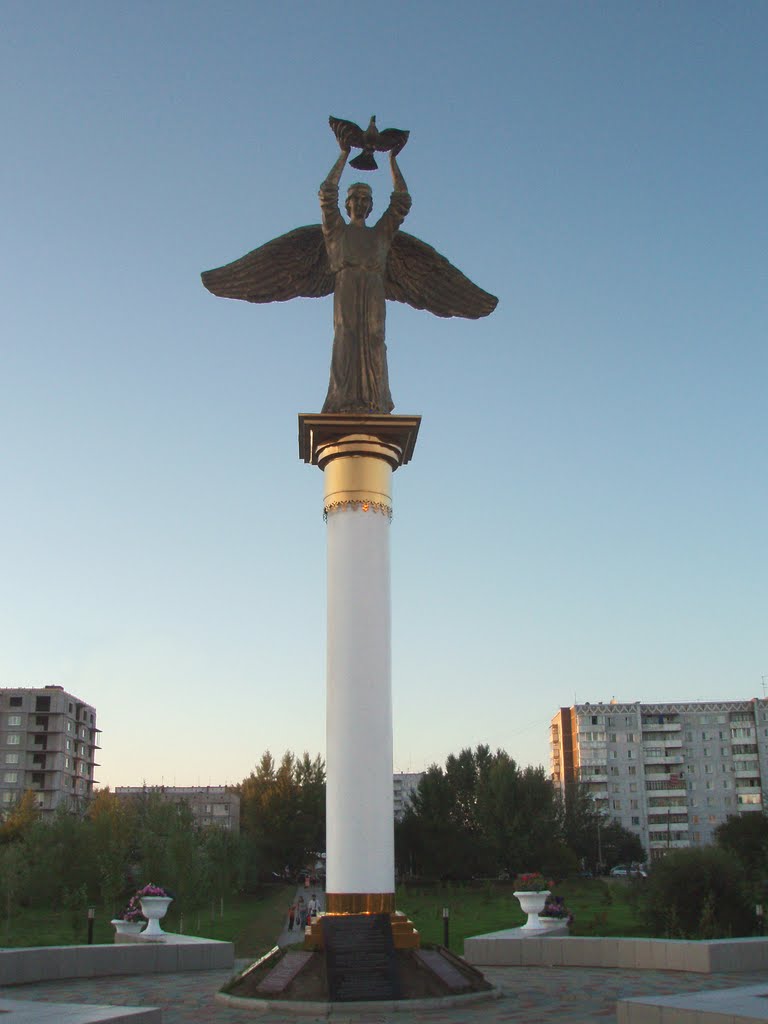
{"points": [[358, 259]]}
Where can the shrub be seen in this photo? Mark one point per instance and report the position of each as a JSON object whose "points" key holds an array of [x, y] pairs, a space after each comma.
{"points": [[698, 893]]}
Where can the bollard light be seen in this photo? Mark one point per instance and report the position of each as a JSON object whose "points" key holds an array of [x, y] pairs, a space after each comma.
{"points": [[91, 916], [446, 916]]}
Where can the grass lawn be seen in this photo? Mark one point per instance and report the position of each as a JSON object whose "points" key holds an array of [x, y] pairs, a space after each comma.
{"points": [[252, 922], [600, 907]]}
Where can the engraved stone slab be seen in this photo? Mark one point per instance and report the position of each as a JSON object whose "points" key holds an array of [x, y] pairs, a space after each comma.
{"points": [[450, 976], [282, 974], [360, 958]]}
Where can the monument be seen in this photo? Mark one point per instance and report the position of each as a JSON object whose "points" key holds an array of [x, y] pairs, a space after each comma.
{"points": [[357, 443]]}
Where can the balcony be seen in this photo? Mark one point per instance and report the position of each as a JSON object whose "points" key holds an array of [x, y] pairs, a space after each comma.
{"points": [[664, 759], [673, 844], [661, 727], [747, 773]]}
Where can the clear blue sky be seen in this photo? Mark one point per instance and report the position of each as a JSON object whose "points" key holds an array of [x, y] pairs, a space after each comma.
{"points": [[585, 515]]}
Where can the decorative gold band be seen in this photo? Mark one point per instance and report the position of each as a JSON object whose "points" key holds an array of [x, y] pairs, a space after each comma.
{"points": [[360, 902], [359, 505]]}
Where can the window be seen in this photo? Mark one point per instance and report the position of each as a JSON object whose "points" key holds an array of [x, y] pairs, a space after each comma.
{"points": [[66, 762], [15, 702], [706, 752], [11, 758], [611, 737], [630, 737], [629, 754], [8, 797], [615, 788], [69, 727], [13, 739], [634, 805], [689, 737], [633, 787], [69, 744], [707, 769], [617, 805], [14, 719], [632, 770], [635, 820], [11, 777]]}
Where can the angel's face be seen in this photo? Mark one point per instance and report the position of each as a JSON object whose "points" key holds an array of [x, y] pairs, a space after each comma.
{"points": [[359, 205]]}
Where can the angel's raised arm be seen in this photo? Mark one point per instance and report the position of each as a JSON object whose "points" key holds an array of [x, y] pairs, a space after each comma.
{"points": [[329, 193]]}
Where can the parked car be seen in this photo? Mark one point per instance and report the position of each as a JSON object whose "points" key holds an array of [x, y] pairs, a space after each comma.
{"points": [[628, 871]]}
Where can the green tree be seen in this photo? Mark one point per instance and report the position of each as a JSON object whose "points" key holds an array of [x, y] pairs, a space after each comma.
{"points": [[746, 836], [480, 815], [113, 825], [14, 878], [699, 893], [282, 811], [19, 818]]}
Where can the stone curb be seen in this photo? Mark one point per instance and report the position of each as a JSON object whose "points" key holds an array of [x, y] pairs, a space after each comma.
{"points": [[370, 1006]]}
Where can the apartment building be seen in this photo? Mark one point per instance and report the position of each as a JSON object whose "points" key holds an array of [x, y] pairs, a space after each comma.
{"points": [[210, 805], [404, 784], [669, 772], [48, 743]]}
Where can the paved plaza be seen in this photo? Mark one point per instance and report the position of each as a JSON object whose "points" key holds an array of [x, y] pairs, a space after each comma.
{"points": [[538, 994]]}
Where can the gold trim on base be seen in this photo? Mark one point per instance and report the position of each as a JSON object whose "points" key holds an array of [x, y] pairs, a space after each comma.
{"points": [[404, 934], [360, 902]]}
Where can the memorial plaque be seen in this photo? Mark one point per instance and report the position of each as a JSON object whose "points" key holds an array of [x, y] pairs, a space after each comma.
{"points": [[360, 959]]}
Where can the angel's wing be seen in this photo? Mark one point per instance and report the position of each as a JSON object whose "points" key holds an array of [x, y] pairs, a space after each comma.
{"points": [[290, 266], [419, 275]]}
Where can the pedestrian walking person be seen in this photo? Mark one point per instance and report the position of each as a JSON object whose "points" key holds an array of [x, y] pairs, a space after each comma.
{"points": [[291, 916]]}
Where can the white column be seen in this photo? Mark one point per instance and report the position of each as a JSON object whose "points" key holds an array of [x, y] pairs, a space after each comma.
{"points": [[359, 824], [358, 455]]}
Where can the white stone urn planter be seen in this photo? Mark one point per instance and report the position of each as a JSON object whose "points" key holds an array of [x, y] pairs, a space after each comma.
{"points": [[532, 904], [127, 927], [154, 908]]}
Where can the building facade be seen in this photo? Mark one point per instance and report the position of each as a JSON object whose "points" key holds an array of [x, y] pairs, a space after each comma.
{"points": [[404, 785], [210, 805], [669, 772], [48, 743]]}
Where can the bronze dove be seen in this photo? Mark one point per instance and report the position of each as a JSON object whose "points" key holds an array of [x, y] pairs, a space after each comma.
{"points": [[351, 135]]}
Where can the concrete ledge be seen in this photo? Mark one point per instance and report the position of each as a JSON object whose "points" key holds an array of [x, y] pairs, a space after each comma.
{"points": [[373, 1006], [175, 953], [747, 1005], [508, 949], [22, 1011]]}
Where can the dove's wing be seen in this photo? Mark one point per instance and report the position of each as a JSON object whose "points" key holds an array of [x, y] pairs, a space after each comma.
{"points": [[391, 138], [419, 275], [290, 266], [347, 132]]}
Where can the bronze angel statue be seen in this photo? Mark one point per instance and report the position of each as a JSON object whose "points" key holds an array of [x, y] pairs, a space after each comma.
{"points": [[363, 267]]}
